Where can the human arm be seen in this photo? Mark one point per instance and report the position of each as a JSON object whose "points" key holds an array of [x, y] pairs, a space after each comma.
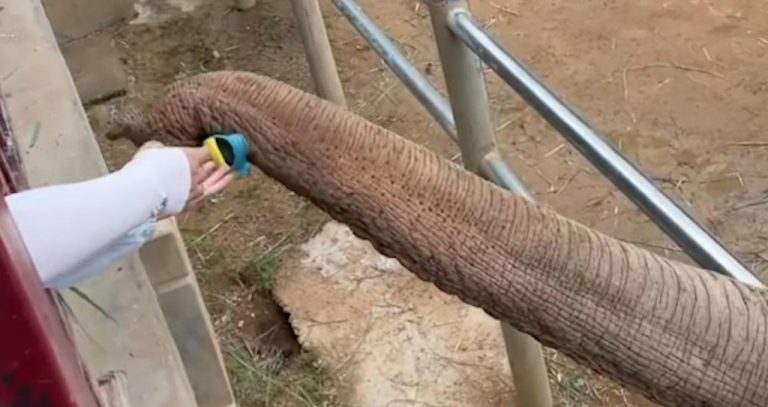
{"points": [[73, 231]]}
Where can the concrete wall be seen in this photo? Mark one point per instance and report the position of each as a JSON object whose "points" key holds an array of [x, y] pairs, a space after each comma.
{"points": [[162, 345], [74, 19], [89, 53]]}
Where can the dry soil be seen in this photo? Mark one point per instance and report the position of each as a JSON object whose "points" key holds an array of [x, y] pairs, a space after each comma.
{"points": [[679, 86]]}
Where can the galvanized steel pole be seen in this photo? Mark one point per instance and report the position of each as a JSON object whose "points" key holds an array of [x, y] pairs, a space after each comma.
{"points": [[497, 171], [670, 217], [317, 46], [493, 167], [466, 90]]}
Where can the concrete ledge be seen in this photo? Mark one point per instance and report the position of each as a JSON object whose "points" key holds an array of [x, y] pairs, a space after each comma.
{"points": [[170, 271], [190, 326], [73, 19], [96, 68], [164, 228], [57, 146], [156, 255]]}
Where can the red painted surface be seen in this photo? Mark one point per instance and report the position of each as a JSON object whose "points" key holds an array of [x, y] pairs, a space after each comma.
{"points": [[38, 362]]}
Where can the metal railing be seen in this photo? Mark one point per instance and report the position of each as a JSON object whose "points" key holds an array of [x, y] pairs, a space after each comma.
{"points": [[462, 43]]}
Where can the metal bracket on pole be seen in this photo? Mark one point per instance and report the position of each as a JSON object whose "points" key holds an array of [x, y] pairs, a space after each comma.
{"points": [[466, 90]]}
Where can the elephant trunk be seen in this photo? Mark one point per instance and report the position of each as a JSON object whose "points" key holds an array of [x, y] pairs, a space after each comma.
{"points": [[680, 335]]}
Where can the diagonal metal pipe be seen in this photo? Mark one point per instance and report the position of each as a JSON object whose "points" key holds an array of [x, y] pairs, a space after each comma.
{"points": [[677, 223], [492, 167], [420, 86]]}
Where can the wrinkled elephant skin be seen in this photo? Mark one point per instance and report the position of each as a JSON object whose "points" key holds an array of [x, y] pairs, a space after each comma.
{"points": [[681, 335]]}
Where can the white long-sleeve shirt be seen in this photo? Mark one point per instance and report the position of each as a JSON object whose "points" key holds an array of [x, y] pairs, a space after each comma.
{"points": [[74, 231]]}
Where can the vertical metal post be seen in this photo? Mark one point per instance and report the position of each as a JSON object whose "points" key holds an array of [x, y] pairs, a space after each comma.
{"points": [[466, 90], [317, 46]]}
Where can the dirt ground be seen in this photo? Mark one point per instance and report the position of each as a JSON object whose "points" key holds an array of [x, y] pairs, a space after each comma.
{"points": [[679, 86]]}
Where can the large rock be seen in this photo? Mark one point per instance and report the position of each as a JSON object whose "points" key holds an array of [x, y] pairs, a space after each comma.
{"points": [[389, 338]]}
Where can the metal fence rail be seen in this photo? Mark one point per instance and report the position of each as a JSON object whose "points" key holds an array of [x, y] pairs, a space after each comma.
{"points": [[677, 223], [420, 86], [466, 119]]}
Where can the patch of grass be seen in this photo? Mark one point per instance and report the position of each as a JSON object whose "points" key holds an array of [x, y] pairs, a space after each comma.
{"points": [[574, 389], [314, 380], [270, 380], [255, 379], [203, 250], [263, 269], [249, 192], [303, 205]]}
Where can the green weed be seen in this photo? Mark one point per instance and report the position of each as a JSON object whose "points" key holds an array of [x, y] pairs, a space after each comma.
{"points": [[203, 250], [263, 269], [269, 379], [574, 389]]}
